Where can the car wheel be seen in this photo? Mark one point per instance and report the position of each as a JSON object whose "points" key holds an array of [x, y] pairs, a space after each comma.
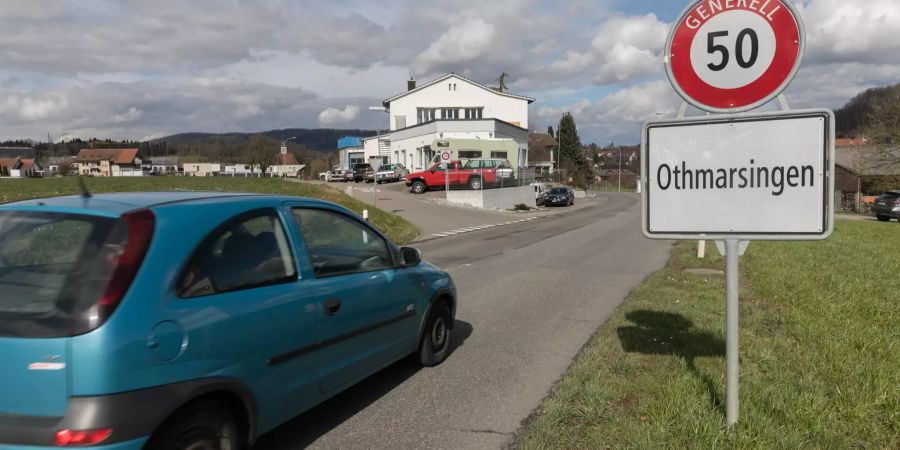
{"points": [[433, 348], [201, 425], [475, 183], [418, 187], [883, 218]]}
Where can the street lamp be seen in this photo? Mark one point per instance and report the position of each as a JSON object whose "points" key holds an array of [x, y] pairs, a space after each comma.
{"points": [[284, 149]]}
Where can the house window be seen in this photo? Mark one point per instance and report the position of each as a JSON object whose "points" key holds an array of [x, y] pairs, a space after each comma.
{"points": [[464, 154], [450, 113], [426, 114], [474, 113], [501, 155]]}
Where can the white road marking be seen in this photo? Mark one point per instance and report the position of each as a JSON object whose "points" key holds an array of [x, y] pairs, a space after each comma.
{"points": [[481, 227]]}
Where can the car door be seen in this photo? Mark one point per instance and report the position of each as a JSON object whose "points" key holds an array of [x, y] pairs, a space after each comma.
{"points": [[366, 305], [245, 311]]}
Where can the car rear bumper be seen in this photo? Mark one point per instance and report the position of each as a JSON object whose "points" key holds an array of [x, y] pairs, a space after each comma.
{"points": [[133, 416], [134, 444]]}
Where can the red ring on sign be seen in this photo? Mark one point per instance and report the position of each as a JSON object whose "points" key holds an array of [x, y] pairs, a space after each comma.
{"points": [[787, 52], [445, 156]]}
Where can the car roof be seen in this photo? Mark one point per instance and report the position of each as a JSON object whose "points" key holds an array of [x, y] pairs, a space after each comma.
{"points": [[115, 204]]}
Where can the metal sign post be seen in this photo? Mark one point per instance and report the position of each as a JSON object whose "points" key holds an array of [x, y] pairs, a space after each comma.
{"points": [[737, 177], [731, 331]]}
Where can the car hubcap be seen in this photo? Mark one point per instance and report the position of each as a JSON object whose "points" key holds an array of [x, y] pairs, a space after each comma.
{"points": [[438, 335], [204, 439]]}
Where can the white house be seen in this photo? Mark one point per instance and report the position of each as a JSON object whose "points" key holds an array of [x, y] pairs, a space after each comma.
{"points": [[201, 169], [240, 170], [377, 149], [452, 107]]}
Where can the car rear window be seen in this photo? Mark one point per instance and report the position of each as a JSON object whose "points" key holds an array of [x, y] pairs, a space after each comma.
{"points": [[890, 195], [53, 269], [559, 191]]}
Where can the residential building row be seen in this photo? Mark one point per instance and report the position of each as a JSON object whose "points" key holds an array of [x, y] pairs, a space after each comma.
{"points": [[126, 162]]}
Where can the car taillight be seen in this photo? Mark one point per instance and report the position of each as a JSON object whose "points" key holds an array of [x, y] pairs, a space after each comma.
{"points": [[125, 266], [895, 201], [78, 438]]}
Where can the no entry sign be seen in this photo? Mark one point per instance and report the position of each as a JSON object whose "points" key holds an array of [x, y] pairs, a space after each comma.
{"points": [[730, 56]]}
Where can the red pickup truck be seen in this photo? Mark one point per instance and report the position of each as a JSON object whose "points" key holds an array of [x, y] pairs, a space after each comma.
{"points": [[438, 175]]}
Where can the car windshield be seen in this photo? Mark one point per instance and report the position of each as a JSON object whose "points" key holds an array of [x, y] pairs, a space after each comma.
{"points": [[53, 268]]}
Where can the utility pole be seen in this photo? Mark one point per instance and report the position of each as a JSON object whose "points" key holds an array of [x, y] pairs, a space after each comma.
{"points": [[620, 168]]}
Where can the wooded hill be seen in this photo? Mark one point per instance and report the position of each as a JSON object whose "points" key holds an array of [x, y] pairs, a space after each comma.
{"points": [[868, 113]]}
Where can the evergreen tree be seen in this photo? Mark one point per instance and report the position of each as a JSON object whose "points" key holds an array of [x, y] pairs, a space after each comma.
{"points": [[572, 156], [550, 130]]}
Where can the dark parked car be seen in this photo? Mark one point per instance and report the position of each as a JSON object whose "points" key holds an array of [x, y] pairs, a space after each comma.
{"points": [[887, 206], [359, 171], [198, 320], [558, 196]]}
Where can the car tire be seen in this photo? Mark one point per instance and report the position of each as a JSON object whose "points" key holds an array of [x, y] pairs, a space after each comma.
{"points": [[435, 343], [203, 424], [883, 218], [419, 187], [475, 183]]}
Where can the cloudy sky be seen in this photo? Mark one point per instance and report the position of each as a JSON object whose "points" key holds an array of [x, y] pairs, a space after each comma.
{"points": [[140, 69]]}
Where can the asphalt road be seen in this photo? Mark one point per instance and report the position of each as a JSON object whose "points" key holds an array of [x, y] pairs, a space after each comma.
{"points": [[530, 296], [429, 211]]}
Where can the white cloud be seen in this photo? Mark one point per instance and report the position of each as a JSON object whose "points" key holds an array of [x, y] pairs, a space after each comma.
{"points": [[34, 108], [852, 31], [334, 116], [128, 116], [459, 45], [623, 48]]}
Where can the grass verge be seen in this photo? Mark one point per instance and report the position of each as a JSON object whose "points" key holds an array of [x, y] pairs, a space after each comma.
{"points": [[819, 346], [395, 227]]}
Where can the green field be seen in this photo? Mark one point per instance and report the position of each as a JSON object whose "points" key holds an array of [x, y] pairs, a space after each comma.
{"points": [[397, 228], [819, 346]]}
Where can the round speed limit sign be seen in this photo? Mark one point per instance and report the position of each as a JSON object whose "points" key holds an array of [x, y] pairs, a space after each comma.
{"points": [[729, 56]]}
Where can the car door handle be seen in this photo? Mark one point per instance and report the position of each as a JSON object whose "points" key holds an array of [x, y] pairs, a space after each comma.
{"points": [[331, 306]]}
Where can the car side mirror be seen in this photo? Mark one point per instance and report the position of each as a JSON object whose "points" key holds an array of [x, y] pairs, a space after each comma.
{"points": [[411, 256]]}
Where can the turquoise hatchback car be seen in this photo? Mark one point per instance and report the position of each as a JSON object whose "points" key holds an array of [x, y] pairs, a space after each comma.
{"points": [[198, 320]]}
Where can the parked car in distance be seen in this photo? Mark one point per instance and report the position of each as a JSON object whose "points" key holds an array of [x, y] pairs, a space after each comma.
{"points": [[390, 173], [452, 172], [501, 166], [369, 176], [558, 196], [359, 171], [336, 175], [198, 320], [887, 206]]}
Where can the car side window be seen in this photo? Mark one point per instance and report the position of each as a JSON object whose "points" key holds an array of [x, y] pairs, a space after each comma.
{"points": [[338, 244], [247, 251]]}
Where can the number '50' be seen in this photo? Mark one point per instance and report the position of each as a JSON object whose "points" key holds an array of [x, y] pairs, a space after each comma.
{"points": [[712, 47]]}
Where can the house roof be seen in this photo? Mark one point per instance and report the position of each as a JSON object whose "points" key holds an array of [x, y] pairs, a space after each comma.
{"points": [[846, 142], [9, 163], [387, 102], [539, 145], [288, 159], [29, 164], [869, 160], [113, 155]]}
